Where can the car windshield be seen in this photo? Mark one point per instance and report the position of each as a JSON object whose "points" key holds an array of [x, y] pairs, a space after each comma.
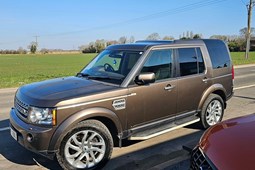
{"points": [[111, 66]]}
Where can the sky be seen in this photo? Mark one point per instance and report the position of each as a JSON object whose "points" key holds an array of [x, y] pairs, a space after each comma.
{"points": [[68, 24]]}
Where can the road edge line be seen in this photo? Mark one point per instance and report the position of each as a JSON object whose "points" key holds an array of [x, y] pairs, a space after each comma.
{"points": [[4, 129], [244, 87]]}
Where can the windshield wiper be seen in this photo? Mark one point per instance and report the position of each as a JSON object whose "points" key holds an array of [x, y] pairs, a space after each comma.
{"points": [[82, 75]]}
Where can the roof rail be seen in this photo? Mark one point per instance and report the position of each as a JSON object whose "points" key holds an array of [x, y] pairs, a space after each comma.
{"points": [[154, 41]]}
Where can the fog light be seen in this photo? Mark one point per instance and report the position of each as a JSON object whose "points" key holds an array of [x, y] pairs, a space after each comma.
{"points": [[30, 137]]}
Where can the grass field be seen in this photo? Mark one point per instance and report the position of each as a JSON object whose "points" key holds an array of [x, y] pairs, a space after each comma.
{"points": [[17, 70], [239, 58]]}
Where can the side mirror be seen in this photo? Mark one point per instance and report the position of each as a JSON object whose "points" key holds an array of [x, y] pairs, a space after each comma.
{"points": [[145, 78]]}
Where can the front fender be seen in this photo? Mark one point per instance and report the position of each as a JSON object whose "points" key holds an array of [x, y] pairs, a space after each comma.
{"points": [[211, 89], [73, 120]]}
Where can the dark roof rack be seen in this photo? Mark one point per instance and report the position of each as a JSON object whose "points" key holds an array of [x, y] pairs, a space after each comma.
{"points": [[154, 41]]}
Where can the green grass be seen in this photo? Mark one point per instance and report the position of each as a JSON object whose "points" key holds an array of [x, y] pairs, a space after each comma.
{"points": [[17, 70], [239, 58]]}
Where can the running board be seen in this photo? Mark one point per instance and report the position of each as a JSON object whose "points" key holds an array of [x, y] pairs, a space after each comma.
{"points": [[143, 136]]}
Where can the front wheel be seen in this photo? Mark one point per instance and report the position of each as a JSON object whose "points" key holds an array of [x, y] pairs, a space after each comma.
{"points": [[212, 111], [87, 146]]}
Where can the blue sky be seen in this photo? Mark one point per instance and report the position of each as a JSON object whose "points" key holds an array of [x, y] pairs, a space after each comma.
{"points": [[67, 24]]}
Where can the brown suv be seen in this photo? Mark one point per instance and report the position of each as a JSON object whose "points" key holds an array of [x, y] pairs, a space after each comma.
{"points": [[132, 91]]}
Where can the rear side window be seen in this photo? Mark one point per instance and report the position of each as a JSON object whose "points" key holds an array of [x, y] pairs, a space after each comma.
{"points": [[191, 61], [218, 53]]}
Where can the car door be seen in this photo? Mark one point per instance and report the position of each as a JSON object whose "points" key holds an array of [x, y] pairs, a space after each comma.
{"points": [[192, 79], [154, 101]]}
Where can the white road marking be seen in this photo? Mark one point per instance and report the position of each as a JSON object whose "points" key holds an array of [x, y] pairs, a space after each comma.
{"points": [[244, 76], [244, 87], [4, 129], [244, 66]]}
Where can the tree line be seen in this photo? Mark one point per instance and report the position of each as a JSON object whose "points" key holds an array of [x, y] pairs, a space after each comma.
{"points": [[235, 42], [18, 51], [99, 45]]}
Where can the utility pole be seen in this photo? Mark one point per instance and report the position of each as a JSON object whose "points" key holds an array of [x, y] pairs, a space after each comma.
{"points": [[36, 36], [248, 32]]}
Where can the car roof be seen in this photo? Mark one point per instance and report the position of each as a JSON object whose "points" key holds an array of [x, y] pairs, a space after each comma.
{"points": [[143, 45]]}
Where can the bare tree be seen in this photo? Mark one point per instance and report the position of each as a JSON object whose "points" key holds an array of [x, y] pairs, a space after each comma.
{"points": [[191, 34], [21, 51], [44, 51], [100, 45], [168, 38], [243, 31], [108, 43], [153, 36], [220, 37], [188, 35], [132, 39], [123, 40]]}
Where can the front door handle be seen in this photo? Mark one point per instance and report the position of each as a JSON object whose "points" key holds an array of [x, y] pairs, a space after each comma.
{"points": [[169, 87]]}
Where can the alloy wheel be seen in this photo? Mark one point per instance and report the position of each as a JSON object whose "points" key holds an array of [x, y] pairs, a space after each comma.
{"points": [[85, 149], [213, 112]]}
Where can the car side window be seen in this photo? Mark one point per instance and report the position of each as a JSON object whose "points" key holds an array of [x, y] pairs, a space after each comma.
{"points": [[160, 63], [191, 61], [218, 53]]}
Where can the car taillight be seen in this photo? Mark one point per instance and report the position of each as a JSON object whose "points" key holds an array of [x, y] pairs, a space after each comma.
{"points": [[233, 73]]}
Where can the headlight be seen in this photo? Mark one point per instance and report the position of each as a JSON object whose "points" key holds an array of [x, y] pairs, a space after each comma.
{"points": [[44, 116]]}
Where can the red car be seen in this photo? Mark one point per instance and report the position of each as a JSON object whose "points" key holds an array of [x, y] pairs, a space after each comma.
{"points": [[228, 145]]}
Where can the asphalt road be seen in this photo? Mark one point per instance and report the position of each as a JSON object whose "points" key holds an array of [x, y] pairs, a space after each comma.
{"points": [[162, 152]]}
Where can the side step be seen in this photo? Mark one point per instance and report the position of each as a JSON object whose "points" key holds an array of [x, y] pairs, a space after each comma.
{"points": [[150, 133]]}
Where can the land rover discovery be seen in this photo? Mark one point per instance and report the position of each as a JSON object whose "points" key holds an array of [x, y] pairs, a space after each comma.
{"points": [[131, 91]]}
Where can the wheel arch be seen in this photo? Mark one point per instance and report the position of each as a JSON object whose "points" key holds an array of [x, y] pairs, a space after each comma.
{"points": [[111, 127], [106, 116], [214, 89]]}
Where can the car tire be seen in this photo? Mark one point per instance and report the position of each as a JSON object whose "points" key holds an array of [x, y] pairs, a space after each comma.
{"points": [[212, 111], [88, 145]]}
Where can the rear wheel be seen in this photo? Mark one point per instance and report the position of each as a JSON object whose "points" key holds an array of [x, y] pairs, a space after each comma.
{"points": [[212, 110], [87, 146]]}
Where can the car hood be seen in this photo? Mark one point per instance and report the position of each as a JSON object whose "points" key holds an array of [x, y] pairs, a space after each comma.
{"points": [[230, 144], [48, 93]]}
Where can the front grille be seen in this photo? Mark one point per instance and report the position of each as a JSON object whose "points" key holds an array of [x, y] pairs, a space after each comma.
{"points": [[199, 161], [21, 107]]}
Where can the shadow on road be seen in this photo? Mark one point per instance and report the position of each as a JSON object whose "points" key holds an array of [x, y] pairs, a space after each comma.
{"points": [[4, 123], [245, 97], [15, 153], [147, 157], [138, 154]]}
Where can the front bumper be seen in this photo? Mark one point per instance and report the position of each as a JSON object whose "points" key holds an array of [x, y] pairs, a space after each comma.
{"points": [[41, 136]]}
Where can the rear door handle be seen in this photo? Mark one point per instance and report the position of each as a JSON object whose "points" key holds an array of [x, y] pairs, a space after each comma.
{"points": [[205, 79], [169, 87]]}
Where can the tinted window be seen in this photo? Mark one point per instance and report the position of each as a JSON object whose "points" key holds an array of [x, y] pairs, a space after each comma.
{"points": [[160, 63], [218, 53], [191, 61]]}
